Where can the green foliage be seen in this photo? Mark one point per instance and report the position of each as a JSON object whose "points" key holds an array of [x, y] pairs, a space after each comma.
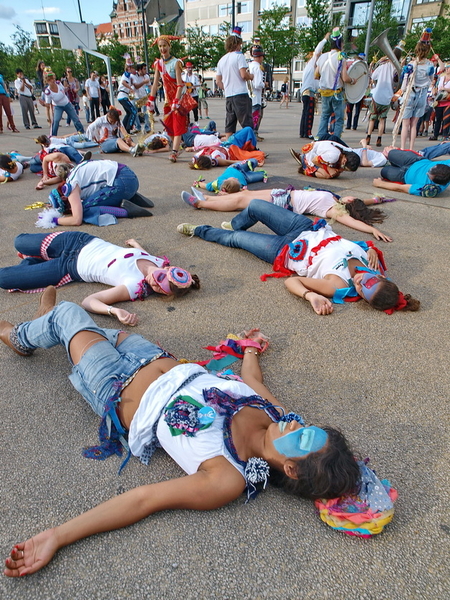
{"points": [[115, 50], [205, 50], [279, 38], [310, 36], [440, 37]]}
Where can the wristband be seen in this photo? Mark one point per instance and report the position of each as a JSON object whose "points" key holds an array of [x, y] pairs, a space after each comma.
{"points": [[55, 220], [152, 98], [109, 311], [305, 293], [252, 352]]}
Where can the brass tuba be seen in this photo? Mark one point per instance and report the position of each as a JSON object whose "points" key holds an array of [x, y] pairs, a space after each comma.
{"points": [[383, 43]]}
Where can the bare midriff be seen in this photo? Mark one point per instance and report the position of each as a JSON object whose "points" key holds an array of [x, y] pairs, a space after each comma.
{"points": [[132, 394]]}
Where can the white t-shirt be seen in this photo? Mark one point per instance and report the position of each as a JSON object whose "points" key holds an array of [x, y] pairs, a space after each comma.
{"points": [[384, 76], [376, 158], [124, 92], [203, 140], [18, 85], [153, 136], [310, 202], [257, 82], [13, 176], [229, 68], [102, 262], [92, 87], [140, 92], [309, 82], [331, 259], [58, 98], [97, 130], [188, 452], [92, 175], [191, 79], [329, 152], [328, 65]]}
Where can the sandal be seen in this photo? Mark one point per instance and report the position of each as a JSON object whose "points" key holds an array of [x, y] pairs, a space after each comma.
{"points": [[173, 156]]}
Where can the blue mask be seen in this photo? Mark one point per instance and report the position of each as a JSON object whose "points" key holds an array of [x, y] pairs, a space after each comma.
{"points": [[301, 442]]}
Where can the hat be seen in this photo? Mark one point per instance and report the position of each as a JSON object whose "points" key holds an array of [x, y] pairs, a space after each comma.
{"points": [[258, 52], [425, 38], [189, 65], [336, 33], [237, 31], [362, 55]]}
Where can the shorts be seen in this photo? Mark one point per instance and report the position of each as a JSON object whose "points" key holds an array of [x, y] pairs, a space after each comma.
{"points": [[417, 104], [109, 146], [378, 111], [202, 103]]}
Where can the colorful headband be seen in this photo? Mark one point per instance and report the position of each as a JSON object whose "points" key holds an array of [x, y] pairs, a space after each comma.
{"points": [[401, 303], [168, 38], [179, 277]]}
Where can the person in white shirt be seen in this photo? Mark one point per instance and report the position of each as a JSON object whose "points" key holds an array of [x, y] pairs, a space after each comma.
{"points": [[192, 85], [92, 86], [141, 83], [124, 90], [55, 96], [25, 91], [257, 70], [232, 76]]}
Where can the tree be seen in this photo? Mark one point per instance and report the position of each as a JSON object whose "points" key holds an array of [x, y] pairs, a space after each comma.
{"points": [[382, 19], [205, 50], [310, 35], [440, 36], [279, 38]]}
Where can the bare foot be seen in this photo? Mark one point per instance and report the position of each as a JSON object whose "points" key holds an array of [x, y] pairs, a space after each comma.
{"points": [[40, 185]]}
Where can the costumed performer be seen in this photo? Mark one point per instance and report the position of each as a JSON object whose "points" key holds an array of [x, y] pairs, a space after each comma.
{"points": [[211, 152], [233, 179], [178, 102], [65, 256], [324, 265], [325, 159], [227, 435]]}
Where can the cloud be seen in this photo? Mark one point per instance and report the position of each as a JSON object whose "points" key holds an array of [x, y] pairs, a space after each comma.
{"points": [[7, 12], [47, 10]]}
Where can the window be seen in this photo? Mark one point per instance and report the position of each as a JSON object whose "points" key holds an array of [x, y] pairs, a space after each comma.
{"points": [[127, 30], [205, 29], [267, 4], [53, 28], [225, 10], [246, 26], [304, 21], [301, 3], [244, 7], [41, 27], [360, 14], [214, 29]]}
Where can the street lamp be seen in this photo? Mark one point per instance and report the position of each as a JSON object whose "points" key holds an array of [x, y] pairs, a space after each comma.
{"points": [[140, 6]]}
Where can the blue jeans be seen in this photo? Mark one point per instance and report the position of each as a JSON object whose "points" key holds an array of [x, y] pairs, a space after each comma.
{"points": [[70, 112], [241, 137], [80, 141], [400, 161], [124, 187], [286, 225], [436, 150], [37, 271], [332, 104], [103, 365], [130, 113], [248, 169]]}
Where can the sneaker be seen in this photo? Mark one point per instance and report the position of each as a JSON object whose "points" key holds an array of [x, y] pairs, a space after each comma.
{"points": [[259, 138], [138, 150], [37, 126], [173, 156], [198, 194], [296, 156], [27, 127], [227, 225], [186, 229], [189, 199]]}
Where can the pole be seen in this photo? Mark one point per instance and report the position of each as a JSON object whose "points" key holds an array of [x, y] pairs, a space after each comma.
{"points": [[144, 33], [233, 12], [369, 28], [88, 67]]}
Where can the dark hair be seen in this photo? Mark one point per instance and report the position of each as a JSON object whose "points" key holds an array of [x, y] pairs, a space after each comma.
{"points": [[387, 297], [439, 174], [232, 43], [19, 71], [156, 144], [359, 211], [202, 162], [330, 473], [6, 162], [114, 114], [140, 66], [178, 292], [44, 140], [353, 160], [336, 43]]}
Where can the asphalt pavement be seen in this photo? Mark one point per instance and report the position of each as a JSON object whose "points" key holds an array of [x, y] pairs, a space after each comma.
{"points": [[383, 380]]}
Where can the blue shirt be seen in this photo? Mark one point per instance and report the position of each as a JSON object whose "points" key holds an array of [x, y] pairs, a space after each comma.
{"points": [[2, 86], [417, 177], [215, 186]]}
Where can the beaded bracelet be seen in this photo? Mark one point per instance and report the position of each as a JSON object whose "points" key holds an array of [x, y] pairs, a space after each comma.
{"points": [[249, 351], [307, 292], [109, 310]]}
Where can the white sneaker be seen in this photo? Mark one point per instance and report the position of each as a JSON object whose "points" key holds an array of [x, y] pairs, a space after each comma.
{"points": [[227, 225], [198, 194]]}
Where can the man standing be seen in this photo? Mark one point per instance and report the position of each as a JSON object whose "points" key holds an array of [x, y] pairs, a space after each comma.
{"points": [[309, 88], [331, 70], [232, 77], [93, 92], [192, 84], [141, 82], [25, 92], [257, 70]]}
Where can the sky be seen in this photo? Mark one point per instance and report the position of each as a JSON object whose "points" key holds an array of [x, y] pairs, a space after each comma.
{"points": [[24, 12]]}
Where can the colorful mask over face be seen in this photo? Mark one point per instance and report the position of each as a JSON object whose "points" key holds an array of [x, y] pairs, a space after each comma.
{"points": [[301, 442], [175, 275], [370, 282]]}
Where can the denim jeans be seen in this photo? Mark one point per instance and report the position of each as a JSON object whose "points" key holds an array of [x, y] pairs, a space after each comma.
{"points": [[80, 141], [38, 270], [241, 137], [400, 161], [436, 150], [130, 115], [286, 225], [124, 187], [332, 104], [103, 365], [70, 111]]}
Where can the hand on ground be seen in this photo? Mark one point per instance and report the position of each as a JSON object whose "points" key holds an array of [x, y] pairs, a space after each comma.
{"points": [[30, 556], [320, 304], [381, 236], [126, 317]]}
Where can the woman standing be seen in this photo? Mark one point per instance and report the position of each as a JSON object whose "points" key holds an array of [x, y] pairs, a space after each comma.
{"points": [[178, 104], [285, 93], [55, 95], [442, 110], [72, 87], [104, 94], [124, 91], [5, 104], [40, 75]]}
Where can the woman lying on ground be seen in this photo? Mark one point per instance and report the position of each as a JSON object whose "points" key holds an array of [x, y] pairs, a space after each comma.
{"points": [[11, 167], [65, 256], [324, 265], [235, 433], [347, 210], [97, 192]]}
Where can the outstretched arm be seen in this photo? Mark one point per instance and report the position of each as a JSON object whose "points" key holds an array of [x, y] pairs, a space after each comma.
{"points": [[358, 225], [389, 185], [315, 291], [100, 303], [207, 489]]}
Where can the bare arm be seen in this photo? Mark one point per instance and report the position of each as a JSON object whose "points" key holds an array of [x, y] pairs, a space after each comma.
{"points": [[315, 291], [76, 206], [58, 157], [245, 74], [215, 484], [219, 82], [100, 303], [134, 244], [224, 162], [155, 84], [358, 225], [389, 185]]}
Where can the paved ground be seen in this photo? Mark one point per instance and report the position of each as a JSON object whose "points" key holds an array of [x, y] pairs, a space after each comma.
{"points": [[382, 379]]}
